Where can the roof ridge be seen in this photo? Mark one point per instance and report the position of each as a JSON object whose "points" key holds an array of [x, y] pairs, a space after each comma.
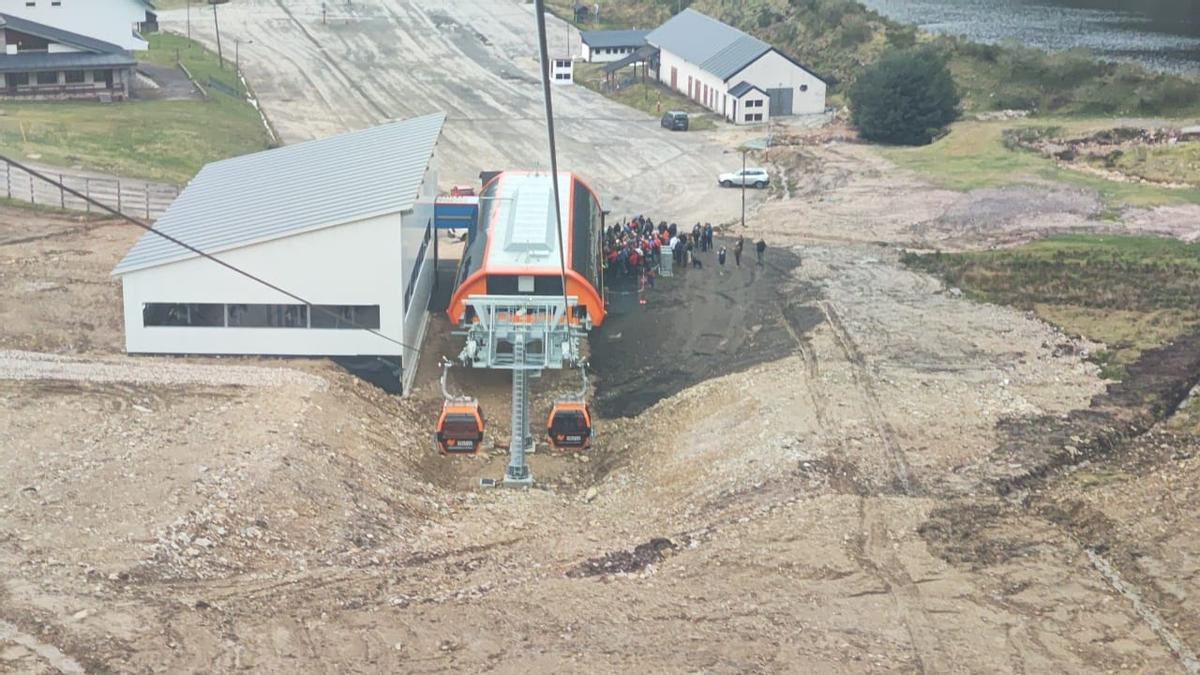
{"points": [[56, 34]]}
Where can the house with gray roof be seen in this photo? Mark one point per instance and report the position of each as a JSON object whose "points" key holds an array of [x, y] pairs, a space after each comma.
{"points": [[40, 61], [604, 46], [732, 73], [346, 223]]}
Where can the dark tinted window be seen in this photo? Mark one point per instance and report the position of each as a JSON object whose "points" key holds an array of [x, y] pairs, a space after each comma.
{"points": [[181, 314], [268, 316], [345, 316]]}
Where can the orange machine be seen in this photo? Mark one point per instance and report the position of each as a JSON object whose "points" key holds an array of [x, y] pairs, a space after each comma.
{"points": [[569, 426], [515, 250], [459, 428]]}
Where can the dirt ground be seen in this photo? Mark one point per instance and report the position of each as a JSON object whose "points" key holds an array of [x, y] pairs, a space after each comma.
{"points": [[833, 464]]}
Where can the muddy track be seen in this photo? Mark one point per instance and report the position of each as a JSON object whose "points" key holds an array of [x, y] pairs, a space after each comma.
{"points": [[866, 385]]}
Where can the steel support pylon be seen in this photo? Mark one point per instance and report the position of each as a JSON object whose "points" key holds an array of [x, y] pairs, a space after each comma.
{"points": [[518, 474]]}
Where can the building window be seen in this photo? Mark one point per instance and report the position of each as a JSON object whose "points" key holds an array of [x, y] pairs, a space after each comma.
{"points": [[180, 314], [804, 87], [47, 77], [267, 316], [345, 316], [30, 3], [416, 270], [755, 117], [75, 77], [16, 79]]}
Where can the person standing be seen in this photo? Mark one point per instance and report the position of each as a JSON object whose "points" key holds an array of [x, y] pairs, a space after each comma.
{"points": [[737, 249], [721, 259], [760, 247], [698, 236], [708, 236]]}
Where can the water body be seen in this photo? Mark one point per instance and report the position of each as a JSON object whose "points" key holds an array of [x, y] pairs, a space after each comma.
{"points": [[1161, 34]]}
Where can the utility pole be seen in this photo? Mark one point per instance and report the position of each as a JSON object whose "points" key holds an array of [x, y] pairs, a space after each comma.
{"points": [[189, 19], [217, 27]]}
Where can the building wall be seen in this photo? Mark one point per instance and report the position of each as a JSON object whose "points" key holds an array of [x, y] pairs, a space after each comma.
{"points": [[772, 71], [744, 113], [413, 233], [353, 264], [606, 54], [717, 101], [109, 20]]}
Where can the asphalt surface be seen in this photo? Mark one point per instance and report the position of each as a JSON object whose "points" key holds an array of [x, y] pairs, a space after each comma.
{"points": [[370, 61]]}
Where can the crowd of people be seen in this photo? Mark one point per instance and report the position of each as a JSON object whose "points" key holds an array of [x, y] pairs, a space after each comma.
{"points": [[635, 247]]}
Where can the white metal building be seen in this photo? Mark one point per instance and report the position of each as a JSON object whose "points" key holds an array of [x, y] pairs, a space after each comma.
{"points": [[43, 62], [343, 222], [112, 21], [604, 46], [732, 73]]}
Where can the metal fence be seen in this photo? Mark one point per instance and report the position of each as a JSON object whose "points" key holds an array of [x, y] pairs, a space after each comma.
{"points": [[133, 198]]}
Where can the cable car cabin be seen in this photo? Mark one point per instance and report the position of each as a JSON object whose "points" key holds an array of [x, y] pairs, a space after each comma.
{"points": [[515, 249], [459, 428], [570, 426]]}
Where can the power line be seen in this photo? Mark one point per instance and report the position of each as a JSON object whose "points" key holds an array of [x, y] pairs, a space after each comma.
{"points": [[182, 244], [540, 9]]}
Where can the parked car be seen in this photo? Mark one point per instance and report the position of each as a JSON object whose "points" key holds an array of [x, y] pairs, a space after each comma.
{"points": [[675, 121], [758, 178]]}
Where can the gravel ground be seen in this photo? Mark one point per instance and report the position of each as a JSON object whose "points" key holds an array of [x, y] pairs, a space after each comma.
{"points": [[16, 365]]}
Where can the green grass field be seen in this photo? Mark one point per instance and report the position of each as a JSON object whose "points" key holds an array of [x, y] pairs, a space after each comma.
{"points": [[1132, 293], [973, 155], [157, 140]]}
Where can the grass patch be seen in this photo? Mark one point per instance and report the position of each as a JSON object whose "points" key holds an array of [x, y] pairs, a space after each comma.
{"points": [[1131, 293], [1163, 163], [156, 140], [974, 155], [650, 97]]}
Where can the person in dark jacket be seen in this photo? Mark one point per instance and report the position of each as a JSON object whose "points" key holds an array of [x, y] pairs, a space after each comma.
{"points": [[721, 258], [708, 236], [760, 247], [737, 250]]}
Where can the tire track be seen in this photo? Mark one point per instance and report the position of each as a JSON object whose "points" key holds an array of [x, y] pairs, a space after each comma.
{"points": [[49, 653], [866, 385], [321, 50]]}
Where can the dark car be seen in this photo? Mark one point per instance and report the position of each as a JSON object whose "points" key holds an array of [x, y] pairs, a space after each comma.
{"points": [[675, 121]]}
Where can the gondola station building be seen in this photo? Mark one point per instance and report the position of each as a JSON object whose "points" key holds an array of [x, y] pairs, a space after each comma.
{"points": [[346, 222]]}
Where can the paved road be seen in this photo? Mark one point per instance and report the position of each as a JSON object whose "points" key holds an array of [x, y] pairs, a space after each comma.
{"points": [[477, 61]]}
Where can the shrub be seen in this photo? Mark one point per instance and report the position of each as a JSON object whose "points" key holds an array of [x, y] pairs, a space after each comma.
{"points": [[907, 97]]}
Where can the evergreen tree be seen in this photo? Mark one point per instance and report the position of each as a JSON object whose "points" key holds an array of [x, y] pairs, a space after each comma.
{"points": [[906, 97]]}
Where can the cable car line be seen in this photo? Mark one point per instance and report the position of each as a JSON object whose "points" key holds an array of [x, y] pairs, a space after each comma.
{"points": [[203, 254]]}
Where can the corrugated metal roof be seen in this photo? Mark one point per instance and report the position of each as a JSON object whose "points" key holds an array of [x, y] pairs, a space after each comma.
{"points": [[28, 62], [297, 188], [714, 46], [643, 53], [734, 58], [614, 38], [59, 35], [742, 88]]}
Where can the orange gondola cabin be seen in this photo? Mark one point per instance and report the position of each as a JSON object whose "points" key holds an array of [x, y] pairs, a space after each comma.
{"points": [[569, 426], [460, 428], [514, 249]]}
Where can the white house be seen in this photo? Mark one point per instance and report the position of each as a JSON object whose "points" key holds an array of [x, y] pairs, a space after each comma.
{"points": [[732, 73], [604, 46], [38, 61], [346, 223], [113, 21]]}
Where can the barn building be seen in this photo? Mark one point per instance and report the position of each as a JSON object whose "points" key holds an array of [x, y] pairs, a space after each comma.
{"points": [[605, 46], [40, 61], [731, 73], [344, 222]]}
